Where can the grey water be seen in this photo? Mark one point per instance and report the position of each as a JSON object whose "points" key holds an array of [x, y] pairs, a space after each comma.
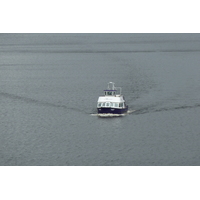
{"points": [[50, 83]]}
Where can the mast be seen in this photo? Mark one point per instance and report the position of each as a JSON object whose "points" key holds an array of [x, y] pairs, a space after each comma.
{"points": [[111, 86]]}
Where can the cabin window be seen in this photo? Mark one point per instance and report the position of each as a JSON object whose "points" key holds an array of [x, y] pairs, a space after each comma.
{"points": [[116, 105], [107, 104], [121, 105], [110, 104], [109, 93]]}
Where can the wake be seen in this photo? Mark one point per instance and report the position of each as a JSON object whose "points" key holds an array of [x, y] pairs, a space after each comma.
{"points": [[112, 115], [37, 102]]}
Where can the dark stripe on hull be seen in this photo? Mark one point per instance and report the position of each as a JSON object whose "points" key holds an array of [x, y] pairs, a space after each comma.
{"points": [[112, 110]]}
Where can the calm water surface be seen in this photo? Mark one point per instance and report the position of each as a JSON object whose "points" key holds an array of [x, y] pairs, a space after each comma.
{"points": [[50, 84]]}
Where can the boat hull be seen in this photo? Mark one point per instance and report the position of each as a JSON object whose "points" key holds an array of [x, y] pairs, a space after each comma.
{"points": [[112, 110]]}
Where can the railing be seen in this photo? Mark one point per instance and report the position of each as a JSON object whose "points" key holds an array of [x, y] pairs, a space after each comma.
{"points": [[114, 88]]}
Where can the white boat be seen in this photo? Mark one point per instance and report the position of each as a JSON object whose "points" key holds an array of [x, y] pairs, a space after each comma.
{"points": [[112, 102]]}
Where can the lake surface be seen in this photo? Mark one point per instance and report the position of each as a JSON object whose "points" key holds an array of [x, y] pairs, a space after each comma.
{"points": [[50, 83]]}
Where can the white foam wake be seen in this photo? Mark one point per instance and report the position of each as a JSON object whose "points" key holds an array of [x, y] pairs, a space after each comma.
{"points": [[130, 111], [112, 115]]}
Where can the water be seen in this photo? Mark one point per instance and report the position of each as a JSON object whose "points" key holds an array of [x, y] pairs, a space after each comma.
{"points": [[50, 84]]}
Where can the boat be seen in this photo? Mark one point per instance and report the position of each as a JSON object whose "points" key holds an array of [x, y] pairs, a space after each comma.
{"points": [[112, 102]]}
